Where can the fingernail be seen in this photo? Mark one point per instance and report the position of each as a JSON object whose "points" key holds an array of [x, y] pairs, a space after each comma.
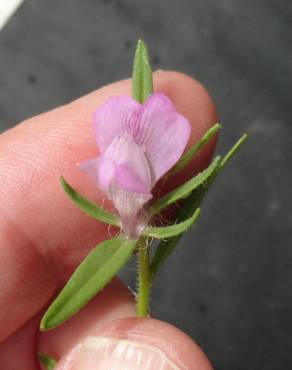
{"points": [[96, 353]]}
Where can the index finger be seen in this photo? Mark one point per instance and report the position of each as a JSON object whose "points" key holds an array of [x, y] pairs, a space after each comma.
{"points": [[42, 235]]}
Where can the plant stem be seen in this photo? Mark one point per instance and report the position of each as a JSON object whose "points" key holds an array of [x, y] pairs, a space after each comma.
{"points": [[144, 279]]}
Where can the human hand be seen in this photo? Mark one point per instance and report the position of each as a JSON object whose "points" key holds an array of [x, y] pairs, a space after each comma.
{"points": [[43, 237]]}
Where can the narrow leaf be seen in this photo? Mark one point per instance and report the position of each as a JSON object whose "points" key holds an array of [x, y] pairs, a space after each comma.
{"points": [[193, 151], [184, 190], [85, 205], [172, 230], [142, 84], [233, 150], [98, 268], [166, 247], [49, 362]]}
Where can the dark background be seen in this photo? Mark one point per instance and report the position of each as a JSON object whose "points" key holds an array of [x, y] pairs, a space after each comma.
{"points": [[228, 285]]}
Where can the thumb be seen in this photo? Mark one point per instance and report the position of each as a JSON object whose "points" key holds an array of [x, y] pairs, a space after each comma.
{"points": [[105, 335], [134, 343]]}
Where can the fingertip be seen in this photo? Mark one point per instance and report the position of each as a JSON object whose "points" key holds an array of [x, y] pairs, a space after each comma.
{"points": [[190, 97], [137, 343], [114, 302]]}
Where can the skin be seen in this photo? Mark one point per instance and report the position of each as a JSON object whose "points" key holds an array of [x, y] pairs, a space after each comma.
{"points": [[43, 237]]}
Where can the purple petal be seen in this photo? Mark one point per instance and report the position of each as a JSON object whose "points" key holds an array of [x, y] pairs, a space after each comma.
{"points": [[129, 206], [156, 127], [133, 226], [106, 171], [90, 167], [101, 170], [132, 172], [131, 188], [128, 179], [139, 144], [163, 133], [113, 118]]}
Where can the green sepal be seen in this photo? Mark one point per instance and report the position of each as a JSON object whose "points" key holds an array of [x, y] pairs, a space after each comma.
{"points": [[172, 230], [97, 269], [88, 207], [184, 190], [194, 150], [48, 362], [142, 84], [166, 247]]}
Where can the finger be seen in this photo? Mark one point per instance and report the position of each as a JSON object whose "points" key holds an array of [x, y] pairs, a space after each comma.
{"points": [[116, 301], [93, 324], [43, 236], [20, 349], [103, 336], [135, 343]]}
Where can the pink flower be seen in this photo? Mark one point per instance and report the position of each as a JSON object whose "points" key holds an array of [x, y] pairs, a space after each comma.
{"points": [[139, 144]]}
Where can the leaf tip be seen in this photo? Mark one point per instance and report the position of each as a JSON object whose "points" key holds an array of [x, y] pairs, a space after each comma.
{"points": [[142, 83], [45, 322], [242, 139], [63, 183], [48, 362], [142, 53], [141, 44], [41, 356], [66, 187], [43, 326]]}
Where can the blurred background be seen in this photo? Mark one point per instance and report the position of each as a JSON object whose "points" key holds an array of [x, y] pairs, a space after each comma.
{"points": [[229, 283]]}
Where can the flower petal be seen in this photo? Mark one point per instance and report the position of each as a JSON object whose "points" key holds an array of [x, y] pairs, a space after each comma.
{"points": [[113, 118], [132, 171], [128, 179], [129, 205], [133, 226], [90, 167], [139, 144], [106, 171], [156, 127], [101, 170], [131, 186], [163, 134]]}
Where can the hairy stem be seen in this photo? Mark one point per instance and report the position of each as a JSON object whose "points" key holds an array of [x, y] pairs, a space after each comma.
{"points": [[144, 279]]}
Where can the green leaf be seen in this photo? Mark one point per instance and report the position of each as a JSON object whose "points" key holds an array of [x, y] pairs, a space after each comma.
{"points": [[166, 247], [49, 362], [193, 151], [198, 195], [142, 84], [184, 190], [233, 150], [172, 230], [85, 205], [98, 268]]}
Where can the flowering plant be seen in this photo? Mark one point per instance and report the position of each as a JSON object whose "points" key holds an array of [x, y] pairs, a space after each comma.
{"points": [[142, 139]]}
